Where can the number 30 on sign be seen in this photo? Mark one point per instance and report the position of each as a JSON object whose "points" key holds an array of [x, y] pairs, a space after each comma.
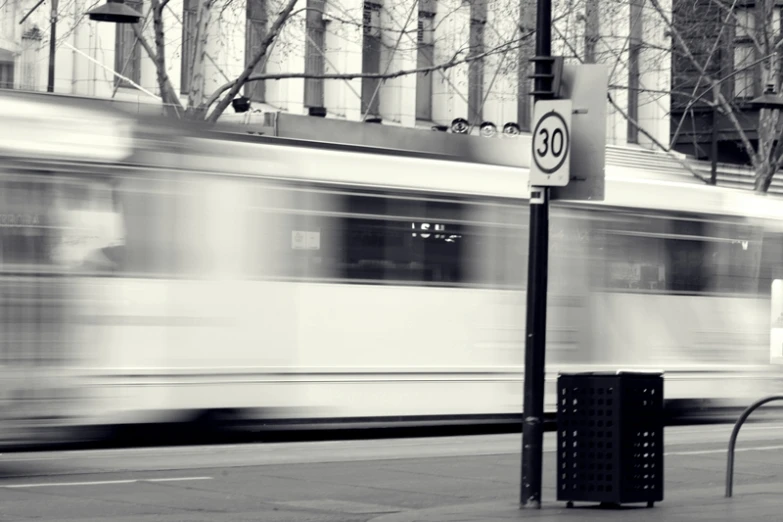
{"points": [[551, 154]]}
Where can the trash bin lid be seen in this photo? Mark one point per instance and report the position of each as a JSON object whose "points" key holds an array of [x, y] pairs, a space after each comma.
{"points": [[640, 373]]}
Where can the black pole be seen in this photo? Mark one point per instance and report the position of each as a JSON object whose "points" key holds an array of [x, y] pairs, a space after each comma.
{"points": [[538, 253], [714, 147], [52, 46]]}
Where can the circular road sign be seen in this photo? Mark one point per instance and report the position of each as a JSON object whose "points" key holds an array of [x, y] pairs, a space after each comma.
{"points": [[551, 142]]}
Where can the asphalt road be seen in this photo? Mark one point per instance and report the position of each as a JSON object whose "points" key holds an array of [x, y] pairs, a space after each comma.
{"points": [[337, 480]]}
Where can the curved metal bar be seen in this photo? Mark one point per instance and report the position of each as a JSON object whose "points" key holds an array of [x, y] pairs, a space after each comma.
{"points": [[733, 440]]}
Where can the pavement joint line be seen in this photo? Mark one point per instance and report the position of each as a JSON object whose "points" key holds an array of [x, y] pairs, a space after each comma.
{"points": [[100, 482]]}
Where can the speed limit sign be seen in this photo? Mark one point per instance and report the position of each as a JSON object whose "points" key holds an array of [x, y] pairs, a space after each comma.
{"points": [[550, 165]]}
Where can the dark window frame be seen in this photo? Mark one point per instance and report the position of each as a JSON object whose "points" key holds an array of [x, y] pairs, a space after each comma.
{"points": [[127, 62]]}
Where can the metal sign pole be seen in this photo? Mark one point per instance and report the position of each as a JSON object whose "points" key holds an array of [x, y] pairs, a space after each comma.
{"points": [[538, 253]]}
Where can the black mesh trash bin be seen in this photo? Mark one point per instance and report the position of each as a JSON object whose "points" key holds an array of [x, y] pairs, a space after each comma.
{"points": [[610, 437]]}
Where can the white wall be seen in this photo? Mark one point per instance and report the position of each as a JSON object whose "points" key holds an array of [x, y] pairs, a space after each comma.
{"points": [[226, 48]]}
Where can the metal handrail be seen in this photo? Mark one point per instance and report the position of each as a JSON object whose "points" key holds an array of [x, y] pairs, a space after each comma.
{"points": [[733, 440]]}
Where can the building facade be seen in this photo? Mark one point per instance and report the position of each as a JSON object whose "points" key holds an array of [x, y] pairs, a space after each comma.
{"points": [[339, 37], [727, 40]]}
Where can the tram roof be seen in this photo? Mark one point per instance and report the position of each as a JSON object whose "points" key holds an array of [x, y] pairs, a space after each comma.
{"points": [[60, 128], [112, 130]]}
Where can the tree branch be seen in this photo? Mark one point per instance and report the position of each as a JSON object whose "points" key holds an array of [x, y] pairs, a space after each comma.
{"points": [[649, 136], [732, 13], [180, 21], [352, 76], [142, 27], [721, 99], [706, 67], [197, 71], [167, 91], [237, 84], [414, 8], [657, 143], [164, 84], [720, 81]]}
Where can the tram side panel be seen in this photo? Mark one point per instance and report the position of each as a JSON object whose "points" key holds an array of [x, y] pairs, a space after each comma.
{"points": [[682, 294], [417, 306], [382, 326], [175, 327], [329, 301], [245, 358], [40, 398], [333, 303]]}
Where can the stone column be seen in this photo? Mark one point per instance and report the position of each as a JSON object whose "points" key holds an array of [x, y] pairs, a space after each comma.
{"points": [[450, 87], [343, 41], [288, 55], [399, 23], [500, 70]]}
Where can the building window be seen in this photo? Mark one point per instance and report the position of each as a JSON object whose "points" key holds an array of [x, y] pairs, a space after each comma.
{"points": [[744, 54], [256, 32], [371, 59], [634, 55], [31, 42], [315, 46], [425, 58], [478, 19], [6, 75], [127, 51], [189, 23]]}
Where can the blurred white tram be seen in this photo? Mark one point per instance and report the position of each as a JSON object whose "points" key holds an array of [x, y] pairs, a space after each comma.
{"points": [[265, 278]]}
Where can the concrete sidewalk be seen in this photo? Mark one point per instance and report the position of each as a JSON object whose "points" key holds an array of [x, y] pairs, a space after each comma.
{"points": [[454, 479], [693, 491], [761, 506]]}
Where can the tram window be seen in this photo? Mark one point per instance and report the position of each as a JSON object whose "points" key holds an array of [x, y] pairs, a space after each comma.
{"points": [[686, 257], [378, 238], [86, 224], [629, 252], [771, 261], [402, 241], [570, 248], [127, 226], [300, 246], [298, 234], [733, 257], [681, 254], [647, 253], [25, 210], [23, 220], [497, 257]]}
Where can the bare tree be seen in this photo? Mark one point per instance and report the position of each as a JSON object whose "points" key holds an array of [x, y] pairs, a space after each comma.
{"points": [[710, 77], [210, 106], [700, 49], [620, 34]]}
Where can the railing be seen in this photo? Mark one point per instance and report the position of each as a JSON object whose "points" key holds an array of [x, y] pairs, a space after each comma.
{"points": [[733, 440]]}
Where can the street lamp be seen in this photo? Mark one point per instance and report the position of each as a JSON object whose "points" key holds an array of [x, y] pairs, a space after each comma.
{"points": [[115, 11], [768, 100]]}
